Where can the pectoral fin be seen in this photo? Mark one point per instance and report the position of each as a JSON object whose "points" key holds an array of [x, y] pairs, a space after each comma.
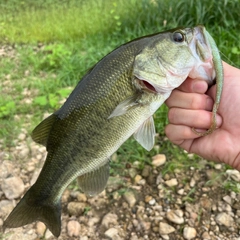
{"points": [[146, 133], [94, 182], [125, 106]]}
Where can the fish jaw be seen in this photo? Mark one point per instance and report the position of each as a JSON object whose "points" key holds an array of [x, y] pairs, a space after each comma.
{"points": [[201, 50]]}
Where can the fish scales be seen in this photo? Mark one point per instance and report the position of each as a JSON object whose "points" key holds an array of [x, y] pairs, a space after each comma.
{"points": [[114, 100]]}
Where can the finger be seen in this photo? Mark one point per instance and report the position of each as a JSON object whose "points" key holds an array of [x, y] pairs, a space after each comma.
{"points": [[199, 119], [179, 133], [189, 101], [212, 92], [193, 86]]}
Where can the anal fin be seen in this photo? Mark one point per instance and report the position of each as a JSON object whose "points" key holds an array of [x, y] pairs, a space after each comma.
{"points": [[94, 182]]}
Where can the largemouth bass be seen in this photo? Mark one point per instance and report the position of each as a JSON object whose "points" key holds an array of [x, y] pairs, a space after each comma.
{"points": [[114, 100]]}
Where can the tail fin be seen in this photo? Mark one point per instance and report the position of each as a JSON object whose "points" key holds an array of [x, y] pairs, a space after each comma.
{"points": [[25, 212]]}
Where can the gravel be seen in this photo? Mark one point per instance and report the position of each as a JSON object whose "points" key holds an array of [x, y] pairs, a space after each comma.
{"points": [[143, 204]]}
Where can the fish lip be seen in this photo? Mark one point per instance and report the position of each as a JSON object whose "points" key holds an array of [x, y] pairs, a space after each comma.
{"points": [[201, 50]]}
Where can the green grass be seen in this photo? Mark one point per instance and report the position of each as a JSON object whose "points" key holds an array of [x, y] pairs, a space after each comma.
{"points": [[53, 43]]}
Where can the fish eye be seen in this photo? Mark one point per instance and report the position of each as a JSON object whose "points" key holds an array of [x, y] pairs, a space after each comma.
{"points": [[178, 37]]}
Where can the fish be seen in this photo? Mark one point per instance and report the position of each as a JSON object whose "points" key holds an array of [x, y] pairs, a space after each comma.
{"points": [[115, 99]]}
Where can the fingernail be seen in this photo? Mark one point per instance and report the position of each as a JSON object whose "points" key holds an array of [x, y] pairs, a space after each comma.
{"points": [[219, 120]]}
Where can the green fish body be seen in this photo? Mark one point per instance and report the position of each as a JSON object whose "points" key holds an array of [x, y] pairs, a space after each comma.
{"points": [[114, 100]]}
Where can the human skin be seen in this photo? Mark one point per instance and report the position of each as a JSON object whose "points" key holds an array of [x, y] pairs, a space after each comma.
{"points": [[190, 107]]}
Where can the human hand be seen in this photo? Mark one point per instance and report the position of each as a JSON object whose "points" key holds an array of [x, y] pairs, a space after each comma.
{"points": [[190, 107]]}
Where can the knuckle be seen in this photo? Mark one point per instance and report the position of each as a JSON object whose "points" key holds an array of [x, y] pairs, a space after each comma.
{"points": [[197, 102], [172, 115]]}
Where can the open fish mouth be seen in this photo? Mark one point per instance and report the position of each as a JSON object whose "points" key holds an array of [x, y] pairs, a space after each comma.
{"points": [[146, 86], [201, 50]]}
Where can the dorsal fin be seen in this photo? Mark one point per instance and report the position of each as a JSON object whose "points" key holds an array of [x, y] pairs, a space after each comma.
{"points": [[41, 132]]}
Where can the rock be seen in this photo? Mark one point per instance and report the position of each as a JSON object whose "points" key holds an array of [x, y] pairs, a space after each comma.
{"points": [[81, 197], [20, 235], [165, 228], [206, 236], [192, 183], [175, 216], [24, 153], [180, 191], [48, 234], [158, 160], [109, 220], [112, 233], [13, 187], [22, 136], [218, 166], [227, 199], [93, 221], [146, 171], [172, 182], [129, 196], [233, 174], [152, 202], [76, 208], [132, 172], [5, 208], [189, 233], [73, 228], [6, 169], [40, 228], [224, 219], [114, 183], [137, 179], [35, 176]]}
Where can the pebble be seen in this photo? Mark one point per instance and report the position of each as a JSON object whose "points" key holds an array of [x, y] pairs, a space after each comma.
{"points": [[73, 228], [93, 221], [130, 198], [192, 183], [13, 187], [146, 171], [152, 202], [165, 228], [76, 208], [137, 179], [224, 219], [110, 219], [206, 236], [81, 197], [48, 235], [158, 160], [218, 166], [35, 176], [175, 216], [227, 199], [6, 168], [172, 182], [189, 232], [112, 233], [22, 136], [180, 191], [6, 207], [40, 228], [233, 174], [132, 172]]}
